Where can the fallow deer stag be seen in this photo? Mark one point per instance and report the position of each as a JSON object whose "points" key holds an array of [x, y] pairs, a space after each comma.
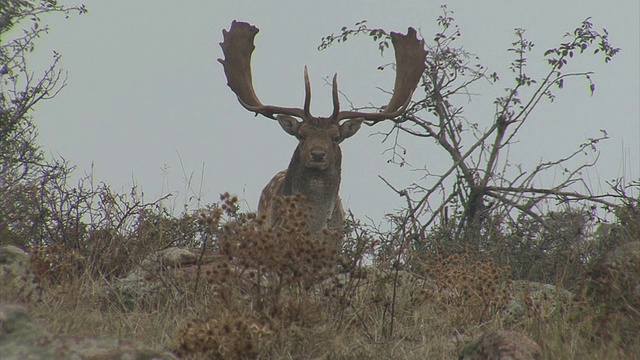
{"points": [[315, 167]]}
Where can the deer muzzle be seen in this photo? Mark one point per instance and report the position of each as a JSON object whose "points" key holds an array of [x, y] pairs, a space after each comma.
{"points": [[317, 159]]}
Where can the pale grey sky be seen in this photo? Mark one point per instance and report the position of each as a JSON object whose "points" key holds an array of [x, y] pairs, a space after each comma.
{"points": [[146, 96]]}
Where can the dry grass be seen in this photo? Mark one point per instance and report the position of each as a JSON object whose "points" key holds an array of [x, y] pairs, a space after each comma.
{"points": [[200, 329], [276, 293]]}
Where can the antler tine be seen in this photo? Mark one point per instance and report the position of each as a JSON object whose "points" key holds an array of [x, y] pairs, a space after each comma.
{"points": [[237, 48], [336, 100], [307, 94], [410, 64]]}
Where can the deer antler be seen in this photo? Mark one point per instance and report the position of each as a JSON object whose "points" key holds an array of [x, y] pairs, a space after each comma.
{"points": [[410, 64], [237, 48]]}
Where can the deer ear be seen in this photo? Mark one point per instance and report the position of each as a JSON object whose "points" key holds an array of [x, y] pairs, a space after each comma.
{"points": [[350, 127], [289, 124]]}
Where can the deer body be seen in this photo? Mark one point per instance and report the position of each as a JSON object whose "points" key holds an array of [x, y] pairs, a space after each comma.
{"points": [[320, 190], [315, 167], [314, 171]]}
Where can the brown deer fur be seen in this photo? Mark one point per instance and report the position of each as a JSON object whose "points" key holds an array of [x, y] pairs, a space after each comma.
{"points": [[314, 171]]}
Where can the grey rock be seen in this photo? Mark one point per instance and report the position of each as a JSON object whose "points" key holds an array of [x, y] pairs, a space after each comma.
{"points": [[23, 339], [16, 277], [163, 274], [532, 299]]}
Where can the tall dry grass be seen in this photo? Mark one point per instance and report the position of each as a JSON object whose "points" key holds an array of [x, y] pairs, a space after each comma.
{"points": [[280, 293]]}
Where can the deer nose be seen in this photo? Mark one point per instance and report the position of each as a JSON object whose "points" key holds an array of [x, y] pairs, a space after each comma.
{"points": [[318, 155]]}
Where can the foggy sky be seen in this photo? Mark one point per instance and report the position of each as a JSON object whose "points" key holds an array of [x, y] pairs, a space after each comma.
{"points": [[147, 102]]}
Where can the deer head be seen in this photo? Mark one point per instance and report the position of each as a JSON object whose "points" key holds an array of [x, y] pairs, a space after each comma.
{"points": [[314, 170]]}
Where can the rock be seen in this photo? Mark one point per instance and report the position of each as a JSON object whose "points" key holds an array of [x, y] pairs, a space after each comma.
{"points": [[502, 345], [165, 274], [534, 300], [16, 278], [172, 257], [22, 338]]}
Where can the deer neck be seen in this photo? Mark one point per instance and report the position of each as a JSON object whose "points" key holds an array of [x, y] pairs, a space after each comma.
{"points": [[320, 187]]}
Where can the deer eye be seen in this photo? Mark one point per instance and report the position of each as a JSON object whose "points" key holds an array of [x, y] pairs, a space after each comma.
{"points": [[336, 139]]}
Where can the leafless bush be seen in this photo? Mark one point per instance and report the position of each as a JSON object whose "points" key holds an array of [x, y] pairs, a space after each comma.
{"points": [[483, 194]]}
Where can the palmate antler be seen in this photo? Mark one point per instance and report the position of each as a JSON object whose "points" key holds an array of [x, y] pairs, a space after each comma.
{"points": [[238, 47]]}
